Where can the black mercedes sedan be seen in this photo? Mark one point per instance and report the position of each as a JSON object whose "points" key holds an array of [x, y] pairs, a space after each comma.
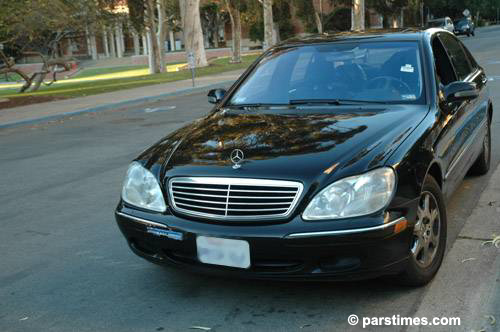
{"points": [[332, 157]]}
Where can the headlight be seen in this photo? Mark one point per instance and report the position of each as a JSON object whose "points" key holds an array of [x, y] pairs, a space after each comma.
{"points": [[141, 189], [353, 196]]}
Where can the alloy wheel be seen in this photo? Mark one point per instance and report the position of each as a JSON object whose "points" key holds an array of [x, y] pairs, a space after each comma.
{"points": [[427, 230]]}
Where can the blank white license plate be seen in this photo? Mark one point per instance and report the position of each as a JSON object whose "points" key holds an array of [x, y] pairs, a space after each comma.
{"points": [[226, 252]]}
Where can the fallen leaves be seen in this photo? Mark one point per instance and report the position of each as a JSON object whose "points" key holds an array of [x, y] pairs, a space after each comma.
{"points": [[468, 259], [203, 328], [491, 319], [495, 241]]}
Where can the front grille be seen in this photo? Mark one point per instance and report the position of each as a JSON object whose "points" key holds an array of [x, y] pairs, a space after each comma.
{"points": [[234, 198]]}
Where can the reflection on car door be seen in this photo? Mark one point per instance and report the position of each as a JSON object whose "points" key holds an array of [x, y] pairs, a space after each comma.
{"points": [[466, 123]]}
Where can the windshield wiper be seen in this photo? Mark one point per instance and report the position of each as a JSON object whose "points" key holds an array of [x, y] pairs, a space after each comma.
{"points": [[255, 105], [333, 102]]}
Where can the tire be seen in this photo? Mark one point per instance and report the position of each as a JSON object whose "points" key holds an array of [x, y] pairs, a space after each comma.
{"points": [[482, 165], [425, 257], [473, 33]]}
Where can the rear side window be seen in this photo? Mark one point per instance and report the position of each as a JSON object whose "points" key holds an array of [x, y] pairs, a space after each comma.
{"points": [[472, 61], [457, 55]]}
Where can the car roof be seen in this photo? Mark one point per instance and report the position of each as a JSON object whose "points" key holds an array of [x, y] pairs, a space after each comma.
{"points": [[373, 35]]}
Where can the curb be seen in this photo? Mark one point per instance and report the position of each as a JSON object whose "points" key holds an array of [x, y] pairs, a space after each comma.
{"points": [[109, 106]]}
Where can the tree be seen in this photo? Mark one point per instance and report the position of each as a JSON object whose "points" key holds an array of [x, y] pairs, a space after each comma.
{"points": [[390, 9], [233, 8], [358, 15], [318, 15], [151, 25], [191, 27], [268, 23], [39, 26], [214, 15], [306, 12]]}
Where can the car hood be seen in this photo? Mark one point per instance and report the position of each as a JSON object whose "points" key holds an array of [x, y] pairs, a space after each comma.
{"points": [[298, 146]]}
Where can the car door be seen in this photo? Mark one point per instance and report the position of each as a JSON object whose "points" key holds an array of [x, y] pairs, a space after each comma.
{"points": [[466, 123]]}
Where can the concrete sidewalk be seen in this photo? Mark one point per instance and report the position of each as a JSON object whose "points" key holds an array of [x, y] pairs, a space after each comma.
{"points": [[43, 112], [468, 283]]}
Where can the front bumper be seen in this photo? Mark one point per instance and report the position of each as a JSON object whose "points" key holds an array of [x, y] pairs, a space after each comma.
{"points": [[277, 251], [462, 32]]}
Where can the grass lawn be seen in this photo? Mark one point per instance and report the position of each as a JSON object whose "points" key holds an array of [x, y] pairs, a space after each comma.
{"points": [[107, 70], [78, 89]]}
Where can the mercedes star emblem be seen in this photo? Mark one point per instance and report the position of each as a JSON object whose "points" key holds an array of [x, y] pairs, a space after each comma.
{"points": [[237, 157]]}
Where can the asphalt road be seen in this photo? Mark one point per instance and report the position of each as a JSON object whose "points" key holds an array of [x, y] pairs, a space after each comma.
{"points": [[64, 266]]}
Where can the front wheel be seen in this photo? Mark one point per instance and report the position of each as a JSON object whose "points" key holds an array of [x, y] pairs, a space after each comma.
{"points": [[429, 237]]}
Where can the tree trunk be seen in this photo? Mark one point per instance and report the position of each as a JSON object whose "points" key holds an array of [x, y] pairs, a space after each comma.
{"points": [[154, 49], [105, 42], [93, 45], [318, 13], [151, 55], [358, 15], [235, 19], [172, 40], [215, 37], [112, 43], [162, 32], [268, 23], [193, 35], [319, 24], [145, 50], [87, 39], [122, 38], [119, 50], [137, 44], [394, 21]]}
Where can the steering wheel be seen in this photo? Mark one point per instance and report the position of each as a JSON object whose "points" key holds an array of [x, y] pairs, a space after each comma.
{"points": [[387, 82]]}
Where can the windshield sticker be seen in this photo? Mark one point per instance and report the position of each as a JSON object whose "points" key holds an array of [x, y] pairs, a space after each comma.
{"points": [[408, 97], [407, 68]]}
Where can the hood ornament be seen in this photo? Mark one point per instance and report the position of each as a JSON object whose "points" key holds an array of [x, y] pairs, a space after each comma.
{"points": [[237, 157]]}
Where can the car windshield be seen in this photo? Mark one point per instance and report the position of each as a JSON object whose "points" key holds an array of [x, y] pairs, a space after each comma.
{"points": [[378, 72], [462, 22], [435, 24]]}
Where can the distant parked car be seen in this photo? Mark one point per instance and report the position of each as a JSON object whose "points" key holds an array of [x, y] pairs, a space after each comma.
{"points": [[443, 23], [465, 26]]}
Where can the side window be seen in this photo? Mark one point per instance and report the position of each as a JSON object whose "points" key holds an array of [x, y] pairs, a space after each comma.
{"points": [[444, 69], [457, 55]]}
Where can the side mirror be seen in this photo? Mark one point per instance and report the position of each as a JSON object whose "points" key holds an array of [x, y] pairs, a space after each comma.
{"points": [[460, 91], [216, 95]]}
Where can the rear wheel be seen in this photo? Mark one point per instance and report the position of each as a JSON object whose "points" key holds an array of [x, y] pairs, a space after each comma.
{"points": [[482, 164], [429, 237]]}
